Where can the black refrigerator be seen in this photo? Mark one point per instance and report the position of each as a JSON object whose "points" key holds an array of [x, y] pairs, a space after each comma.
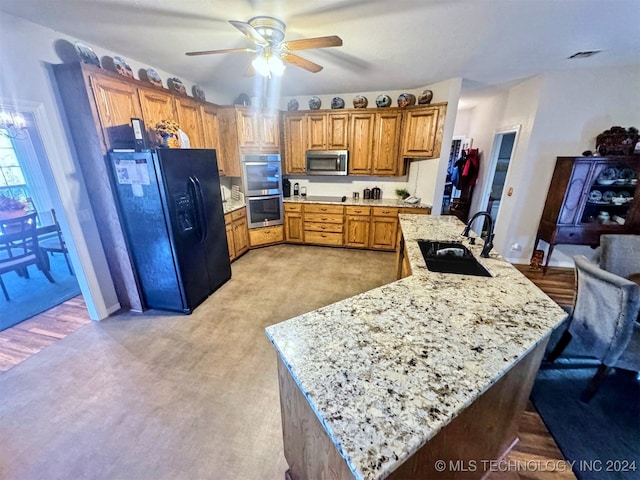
{"points": [[171, 212]]}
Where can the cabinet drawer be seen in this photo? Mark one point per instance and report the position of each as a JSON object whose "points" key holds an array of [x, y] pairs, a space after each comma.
{"points": [[323, 217], [384, 212], [238, 214], [323, 227], [322, 208], [323, 238], [265, 236], [414, 211], [227, 219], [292, 207], [357, 210]]}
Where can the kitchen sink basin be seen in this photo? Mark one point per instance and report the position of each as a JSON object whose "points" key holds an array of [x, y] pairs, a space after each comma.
{"points": [[451, 257]]}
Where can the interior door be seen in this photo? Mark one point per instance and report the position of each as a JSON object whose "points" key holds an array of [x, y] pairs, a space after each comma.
{"points": [[504, 144]]}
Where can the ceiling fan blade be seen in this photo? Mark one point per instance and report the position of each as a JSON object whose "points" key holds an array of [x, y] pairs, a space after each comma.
{"points": [[227, 50], [316, 42], [250, 32], [301, 62]]}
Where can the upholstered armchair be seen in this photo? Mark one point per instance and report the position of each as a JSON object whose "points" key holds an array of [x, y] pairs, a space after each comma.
{"points": [[620, 254], [604, 320]]}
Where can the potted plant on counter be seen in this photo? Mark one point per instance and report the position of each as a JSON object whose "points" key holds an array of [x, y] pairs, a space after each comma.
{"points": [[402, 193]]}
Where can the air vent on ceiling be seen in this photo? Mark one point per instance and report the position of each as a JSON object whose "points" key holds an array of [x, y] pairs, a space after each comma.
{"points": [[585, 54]]}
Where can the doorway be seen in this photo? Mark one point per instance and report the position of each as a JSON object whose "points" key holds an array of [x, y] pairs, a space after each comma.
{"points": [[504, 143]]}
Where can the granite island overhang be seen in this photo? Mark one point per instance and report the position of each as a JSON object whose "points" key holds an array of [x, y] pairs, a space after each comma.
{"points": [[431, 367]]}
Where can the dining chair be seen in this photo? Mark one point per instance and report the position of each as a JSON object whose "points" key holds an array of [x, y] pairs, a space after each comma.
{"points": [[620, 254], [604, 320], [19, 249], [52, 241]]}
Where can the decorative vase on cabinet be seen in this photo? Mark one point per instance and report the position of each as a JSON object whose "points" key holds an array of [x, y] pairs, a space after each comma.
{"points": [[588, 197]]}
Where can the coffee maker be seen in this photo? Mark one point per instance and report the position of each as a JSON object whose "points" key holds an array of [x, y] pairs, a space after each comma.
{"points": [[286, 188]]}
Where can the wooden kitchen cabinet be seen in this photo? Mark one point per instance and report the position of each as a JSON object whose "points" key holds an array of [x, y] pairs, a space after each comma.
{"points": [[117, 103], [257, 130], [361, 143], [259, 237], [293, 223], [324, 224], [295, 140], [423, 128], [237, 233], [384, 228], [156, 106], [228, 144], [189, 115], [328, 131], [356, 226], [581, 188], [386, 144]]}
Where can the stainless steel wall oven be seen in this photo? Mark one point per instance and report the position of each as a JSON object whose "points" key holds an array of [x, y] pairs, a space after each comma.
{"points": [[262, 175]]}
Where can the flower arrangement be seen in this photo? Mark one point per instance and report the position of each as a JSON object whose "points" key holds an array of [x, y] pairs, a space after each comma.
{"points": [[167, 127], [8, 204]]}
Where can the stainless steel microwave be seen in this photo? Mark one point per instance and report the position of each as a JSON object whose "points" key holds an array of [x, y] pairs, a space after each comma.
{"points": [[327, 162]]}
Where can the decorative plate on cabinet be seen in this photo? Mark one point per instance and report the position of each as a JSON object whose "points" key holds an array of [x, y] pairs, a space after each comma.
{"points": [[406, 99], [425, 97], [627, 173], [175, 84], [122, 67], [154, 78], [293, 105], [337, 103], [86, 54], [360, 101], [198, 93], [314, 103], [608, 196], [595, 196], [383, 101]]}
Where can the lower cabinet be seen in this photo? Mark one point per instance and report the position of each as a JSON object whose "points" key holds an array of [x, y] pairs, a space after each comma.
{"points": [[237, 233], [324, 224], [384, 228], [293, 223], [356, 226], [259, 237]]}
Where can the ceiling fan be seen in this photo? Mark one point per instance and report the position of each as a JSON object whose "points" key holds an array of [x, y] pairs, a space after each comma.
{"points": [[267, 33]]}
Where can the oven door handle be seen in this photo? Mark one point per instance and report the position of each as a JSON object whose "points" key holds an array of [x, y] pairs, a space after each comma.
{"points": [[200, 207]]}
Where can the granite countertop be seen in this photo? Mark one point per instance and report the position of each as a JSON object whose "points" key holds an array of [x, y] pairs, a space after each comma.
{"points": [[231, 205], [382, 202], [385, 370]]}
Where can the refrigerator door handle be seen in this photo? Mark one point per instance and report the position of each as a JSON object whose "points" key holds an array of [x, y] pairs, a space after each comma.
{"points": [[201, 208]]}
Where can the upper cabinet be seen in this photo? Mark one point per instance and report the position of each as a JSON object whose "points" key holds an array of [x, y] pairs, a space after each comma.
{"points": [[423, 131], [156, 106], [295, 140], [189, 116], [378, 140], [257, 130], [116, 104]]}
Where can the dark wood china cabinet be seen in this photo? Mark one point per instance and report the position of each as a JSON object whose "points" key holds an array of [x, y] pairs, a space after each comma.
{"points": [[588, 197]]}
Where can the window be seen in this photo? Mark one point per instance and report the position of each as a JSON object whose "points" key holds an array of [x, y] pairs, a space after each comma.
{"points": [[12, 179]]}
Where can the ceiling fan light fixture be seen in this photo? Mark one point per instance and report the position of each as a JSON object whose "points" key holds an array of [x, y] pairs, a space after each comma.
{"points": [[276, 65], [261, 65]]}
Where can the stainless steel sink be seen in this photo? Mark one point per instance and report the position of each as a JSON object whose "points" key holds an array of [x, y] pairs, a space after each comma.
{"points": [[451, 257]]}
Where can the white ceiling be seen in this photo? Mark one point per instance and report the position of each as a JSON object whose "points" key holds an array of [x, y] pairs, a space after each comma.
{"points": [[388, 45]]}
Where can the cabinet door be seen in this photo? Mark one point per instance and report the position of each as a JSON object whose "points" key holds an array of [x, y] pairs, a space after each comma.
{"points": [[189, 117], [317, 131], [156, 106], [361, 145], [420, 133], [240, 236], [117, 103], [383, 233], [248, 131], [294, 143], [293, 227], [337, 131], [228, 227], [210, 134], [228, 141], [357, 231], [269, 132], [386, 145]]}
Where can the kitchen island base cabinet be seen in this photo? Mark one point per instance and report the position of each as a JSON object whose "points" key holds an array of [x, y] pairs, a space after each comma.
{"points": [[477, 438]]}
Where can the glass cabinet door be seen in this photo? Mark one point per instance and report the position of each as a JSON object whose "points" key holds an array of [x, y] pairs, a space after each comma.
{"points": [[610, 194]]}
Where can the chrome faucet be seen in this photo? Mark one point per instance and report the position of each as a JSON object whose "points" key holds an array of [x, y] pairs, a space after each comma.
{"points": [[488, 241]]}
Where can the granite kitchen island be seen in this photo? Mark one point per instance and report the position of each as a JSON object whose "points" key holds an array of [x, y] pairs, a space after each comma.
{"points": [[431, 367]]}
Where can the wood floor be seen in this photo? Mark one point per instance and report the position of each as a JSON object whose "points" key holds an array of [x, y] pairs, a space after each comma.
{"points": [[535, 457]]}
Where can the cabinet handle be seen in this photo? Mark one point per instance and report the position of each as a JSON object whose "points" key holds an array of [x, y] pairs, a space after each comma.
{"points": [[386, 211], [323, 235], [324, 219], [323, 227]]}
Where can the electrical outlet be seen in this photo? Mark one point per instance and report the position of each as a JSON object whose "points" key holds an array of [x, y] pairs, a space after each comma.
{"points": [[516, 247]]}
